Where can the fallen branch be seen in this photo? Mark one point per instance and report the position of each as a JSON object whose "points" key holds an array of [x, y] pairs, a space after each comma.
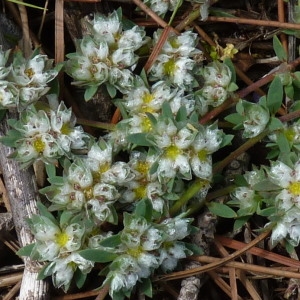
{"points": [[22, 194]]}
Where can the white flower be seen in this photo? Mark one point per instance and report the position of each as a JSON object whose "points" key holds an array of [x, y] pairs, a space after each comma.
{"points": [[217, 74], [119, 173], [99, 157], [63, 269], [132, 39], [8, 94], [183, 44], [100, 210], [51, 240], [35, 123], [256, 120], [106, 28], [170, 255], [288, 227], [80, 175], [289, 181], [245, 197], [214, 95]]}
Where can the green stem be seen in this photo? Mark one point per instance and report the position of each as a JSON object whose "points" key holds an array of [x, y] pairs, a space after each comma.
{"points": [[195, 14], [191, 192], [210, 196], [96, 124]]}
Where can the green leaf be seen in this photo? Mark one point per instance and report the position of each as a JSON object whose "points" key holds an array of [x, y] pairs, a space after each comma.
{"points": [[144, 209], [166, 110], [112, 91], [221, 210], [275, 124], [79, 278], [235, 118], [265, 186], [232, 87], [112, 241], [26, 250], [283, 143], [275, 94], [194, 248], [56, 180], [140, 139], [44, 212], [45, 271], [279, 50], [181, 114], [90, 92], [98, 255], [65, 217], [50, 170], [240, 222], [267, 211], [227, 138], [146, 287], [289, 91], [227, 61]]}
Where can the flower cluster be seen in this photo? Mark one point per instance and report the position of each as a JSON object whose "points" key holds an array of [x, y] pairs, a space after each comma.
{"points": [[217, 85], [106, 56], [24, 81], [45, 135], [177, 60], [143, 248], [113, 203], [161, 7], [59, 242]]}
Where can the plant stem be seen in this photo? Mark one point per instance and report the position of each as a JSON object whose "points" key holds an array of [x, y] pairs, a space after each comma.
{"points": [[96, 124], [196, 187]]}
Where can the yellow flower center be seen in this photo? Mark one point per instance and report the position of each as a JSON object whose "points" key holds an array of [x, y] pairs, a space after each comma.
{"points": [[61, 239], [202, 155], [29, 72], [140, 192], [294, 188], [102, 169], [290, 134], [135, 252], [88, 192], [172, 152], [142, 167], [146, 125], [39, 145], [147, 98], [174, 42], [65, 129], [170, 67]]}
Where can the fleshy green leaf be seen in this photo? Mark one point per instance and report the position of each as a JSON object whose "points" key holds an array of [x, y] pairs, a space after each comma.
{"points": [[139, 139], [279, 50], [240, 222], [221, 210], [79, 278], [275, 124], [98, 255], [146, 287], [44, 212], [275, 94], [144, 209], [112, 241], [90, 92], [26, 250], [112, 91]]}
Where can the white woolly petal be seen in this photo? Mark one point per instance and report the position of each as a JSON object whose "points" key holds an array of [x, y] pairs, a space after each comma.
{"points": [[280, 174]]}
